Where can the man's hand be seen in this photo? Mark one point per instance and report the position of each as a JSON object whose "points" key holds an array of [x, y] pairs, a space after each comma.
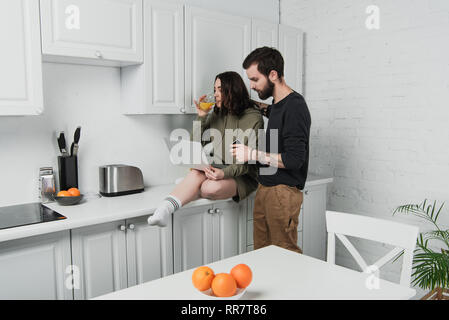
{"points": [[242, 153], [260, 105], [214, 173], [245, 154]]}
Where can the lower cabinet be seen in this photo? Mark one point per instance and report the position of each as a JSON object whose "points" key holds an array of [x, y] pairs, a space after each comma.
{"points": [[205, 234], [313, 231], [149, 251], [117, 255], [36, 268], [99, 259]]}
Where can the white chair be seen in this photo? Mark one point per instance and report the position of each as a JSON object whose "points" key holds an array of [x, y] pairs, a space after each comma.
{"points": [[400, 235]]}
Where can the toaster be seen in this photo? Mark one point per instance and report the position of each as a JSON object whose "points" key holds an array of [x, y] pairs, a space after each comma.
{"points": [[119, 180]]}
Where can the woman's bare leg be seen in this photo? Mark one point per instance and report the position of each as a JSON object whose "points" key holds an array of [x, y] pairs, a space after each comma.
{"points": [[184, 192], [189, 188], [220, 189]]}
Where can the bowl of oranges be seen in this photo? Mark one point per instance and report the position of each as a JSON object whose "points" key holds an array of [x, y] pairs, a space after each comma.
{"points": [[69, 197], [222, 286]]}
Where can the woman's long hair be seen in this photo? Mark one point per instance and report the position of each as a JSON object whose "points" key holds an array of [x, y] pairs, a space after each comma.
{"points": [[234, 94]]}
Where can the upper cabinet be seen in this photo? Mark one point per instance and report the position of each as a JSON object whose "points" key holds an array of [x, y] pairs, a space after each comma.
{"points": [[103, 32], [291, 45], [21, 90], [215, 42], [157, 86], [263, 34]]}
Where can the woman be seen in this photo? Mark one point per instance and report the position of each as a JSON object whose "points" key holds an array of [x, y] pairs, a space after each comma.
{"points": [[233, 110]]}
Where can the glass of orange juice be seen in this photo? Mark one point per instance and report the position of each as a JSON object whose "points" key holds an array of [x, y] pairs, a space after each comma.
{"points": [[207, 103]]}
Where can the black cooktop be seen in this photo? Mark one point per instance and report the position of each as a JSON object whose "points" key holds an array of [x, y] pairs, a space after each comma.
{"points": [[25, 214]]}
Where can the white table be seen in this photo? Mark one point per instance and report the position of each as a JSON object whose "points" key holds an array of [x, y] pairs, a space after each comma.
{"points": [[278, 274]]}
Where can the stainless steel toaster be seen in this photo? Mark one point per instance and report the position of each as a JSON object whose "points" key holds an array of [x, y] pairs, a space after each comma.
{"points": [[120, 179]]}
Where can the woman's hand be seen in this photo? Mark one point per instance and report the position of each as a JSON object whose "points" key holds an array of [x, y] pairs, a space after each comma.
{"points": [[214, 173], [201, 112]]}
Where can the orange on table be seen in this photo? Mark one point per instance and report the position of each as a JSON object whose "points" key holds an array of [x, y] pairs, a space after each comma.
{"points": [[63, 193], [202, 278], [242, 275], [74, 192], [224, 285]]}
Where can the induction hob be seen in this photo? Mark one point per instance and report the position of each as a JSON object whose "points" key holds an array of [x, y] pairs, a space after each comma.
{"points": [[26, 214]]}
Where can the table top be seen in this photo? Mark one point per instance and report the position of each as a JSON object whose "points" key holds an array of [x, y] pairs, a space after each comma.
{"points": [[278, 274]]}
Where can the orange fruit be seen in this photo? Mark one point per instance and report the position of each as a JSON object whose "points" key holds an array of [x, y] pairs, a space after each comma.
{"points": [[202, 278], [242, 275], [74, 192], [224, 285], [63, 193]]}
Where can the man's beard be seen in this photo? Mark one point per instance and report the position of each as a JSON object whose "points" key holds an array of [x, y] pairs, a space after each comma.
{"points": [[266, 92]]}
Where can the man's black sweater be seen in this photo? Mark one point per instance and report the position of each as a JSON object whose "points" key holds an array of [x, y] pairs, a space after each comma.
{"points": [[291, 118]]}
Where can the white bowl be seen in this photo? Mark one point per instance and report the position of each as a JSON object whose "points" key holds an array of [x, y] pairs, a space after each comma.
{"points": [[209, 295]]}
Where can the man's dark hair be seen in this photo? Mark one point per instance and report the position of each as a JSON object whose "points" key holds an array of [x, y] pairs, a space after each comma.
{"points": [[267, 59]]}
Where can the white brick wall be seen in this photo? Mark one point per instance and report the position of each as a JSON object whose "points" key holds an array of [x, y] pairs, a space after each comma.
{"points": [[379, 101]]}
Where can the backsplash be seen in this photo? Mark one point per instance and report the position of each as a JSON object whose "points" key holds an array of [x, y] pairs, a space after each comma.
{"points": [[86, 96]]}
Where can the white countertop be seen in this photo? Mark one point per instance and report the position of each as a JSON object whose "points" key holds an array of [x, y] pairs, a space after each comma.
{"points": [[278, 274], [104, 209]]}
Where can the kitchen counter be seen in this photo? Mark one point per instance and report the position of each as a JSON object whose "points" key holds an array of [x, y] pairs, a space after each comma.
{"points": [[104, 209], [297, 277]]}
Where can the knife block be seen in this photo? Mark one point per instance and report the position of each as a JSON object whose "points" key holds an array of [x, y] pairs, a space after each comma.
{"points": [[68, 172]]}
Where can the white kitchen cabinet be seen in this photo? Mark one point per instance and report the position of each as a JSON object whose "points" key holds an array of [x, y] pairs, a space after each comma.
{"points": [[21, 91], [121, 254], [291, 45], [192, 237], [312, 234], [208, 233], [99, 253], [102, 32], [229, 229], [215, 42], [157, 86], [149, 251], [36, 267], [263, 34]]}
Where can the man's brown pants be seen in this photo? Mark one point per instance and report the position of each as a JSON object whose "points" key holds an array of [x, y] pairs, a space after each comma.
{"points": [[276, 213]]}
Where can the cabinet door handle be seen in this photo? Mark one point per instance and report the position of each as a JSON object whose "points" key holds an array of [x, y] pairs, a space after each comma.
{"points": [[122, 228], [182, 110], [131, 227], [217, 210], [98, 54], [210, 211], [306, 192]]}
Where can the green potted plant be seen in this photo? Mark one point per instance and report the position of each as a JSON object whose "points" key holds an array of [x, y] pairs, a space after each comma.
{"points": [[430, 267]]}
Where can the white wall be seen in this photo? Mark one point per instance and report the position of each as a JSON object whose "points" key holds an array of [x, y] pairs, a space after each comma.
{"points": [[89, 96], [379, 102]]}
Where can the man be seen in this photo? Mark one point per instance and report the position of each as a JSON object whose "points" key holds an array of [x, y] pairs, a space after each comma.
{"points": [[279, 197]]}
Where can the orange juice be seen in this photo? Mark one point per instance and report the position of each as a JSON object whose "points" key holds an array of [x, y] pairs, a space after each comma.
{"points": [[206, 105]]}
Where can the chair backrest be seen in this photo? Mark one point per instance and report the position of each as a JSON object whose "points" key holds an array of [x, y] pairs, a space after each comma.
{"points": [[400, 235]]}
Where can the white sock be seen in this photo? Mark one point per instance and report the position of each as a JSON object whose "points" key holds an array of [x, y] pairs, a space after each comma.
{"points": [[163, 211]]}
